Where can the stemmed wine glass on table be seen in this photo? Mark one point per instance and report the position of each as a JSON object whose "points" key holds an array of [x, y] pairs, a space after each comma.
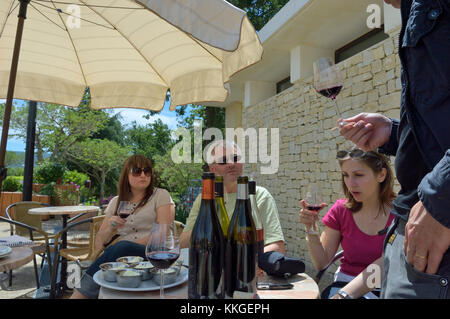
{"points": [[314, 203], [163, 249], [328, 81]]}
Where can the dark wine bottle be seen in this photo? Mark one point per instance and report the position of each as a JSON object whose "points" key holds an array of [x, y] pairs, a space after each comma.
{"points": [[241, 261], [257, 217], [221, 210], [207, 248]]}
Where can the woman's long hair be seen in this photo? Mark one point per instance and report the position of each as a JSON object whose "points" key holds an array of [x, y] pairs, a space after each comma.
{"points": [[376, 162], [124, 188]]}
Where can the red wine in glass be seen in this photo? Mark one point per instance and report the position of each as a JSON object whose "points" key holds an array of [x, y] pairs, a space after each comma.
{"points": [[331, 92], [328, 81], [125, 209], [315, 208], [163, 248], [162, 259]]}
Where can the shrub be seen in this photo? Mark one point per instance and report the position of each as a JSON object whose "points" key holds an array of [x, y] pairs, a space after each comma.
{"points": [[48, 189], [49, 172], [11, 184], [75, 177]]}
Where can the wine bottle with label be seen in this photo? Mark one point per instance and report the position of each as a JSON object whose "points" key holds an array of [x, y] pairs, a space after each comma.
{"points": [[241, 252], [207, 248], [220, 205]]}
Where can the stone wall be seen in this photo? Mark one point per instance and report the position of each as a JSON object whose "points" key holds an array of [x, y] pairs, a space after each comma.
{"points": [[308, 143]]}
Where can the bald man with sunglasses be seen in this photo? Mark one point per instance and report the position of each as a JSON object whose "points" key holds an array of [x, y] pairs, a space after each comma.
{"points": [[225, 161]]}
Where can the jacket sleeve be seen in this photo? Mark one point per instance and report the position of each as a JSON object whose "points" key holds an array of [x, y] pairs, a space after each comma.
{"points": [[434, 191], [391, 146]]}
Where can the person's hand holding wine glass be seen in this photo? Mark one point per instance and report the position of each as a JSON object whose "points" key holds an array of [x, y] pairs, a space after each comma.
{"points": [[311, 205], [163, 248]]}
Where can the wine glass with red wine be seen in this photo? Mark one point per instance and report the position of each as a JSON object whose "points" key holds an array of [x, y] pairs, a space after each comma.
{"points": [[163, 248], [313, 200], [328, 81], [125, 209]]}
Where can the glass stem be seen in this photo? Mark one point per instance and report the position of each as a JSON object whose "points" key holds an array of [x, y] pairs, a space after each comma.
{"points": [[161, 289], [337, 108], [342, 123]]}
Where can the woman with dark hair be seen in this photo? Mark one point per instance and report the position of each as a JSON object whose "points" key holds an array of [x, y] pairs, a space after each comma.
{"points": [[353, 222], [130, 235]]}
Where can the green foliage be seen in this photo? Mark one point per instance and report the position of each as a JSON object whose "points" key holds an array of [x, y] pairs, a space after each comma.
{"points": [[14, 158], [97, 158], [75, 177], [49, 172], [113, 131], [210, 116], [48, 189], [12, 184], [181, 214], [150, 140], [15, 171], [174, 177], [65, 197], [259, 12], [58, 127]]}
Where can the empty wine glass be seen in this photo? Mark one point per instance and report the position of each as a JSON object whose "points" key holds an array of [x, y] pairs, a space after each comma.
{"points": [[314, 202], [163, 249], [328, 81]]}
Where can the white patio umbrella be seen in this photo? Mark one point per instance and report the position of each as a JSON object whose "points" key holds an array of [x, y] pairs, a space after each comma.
{"points": [[128, 52]]}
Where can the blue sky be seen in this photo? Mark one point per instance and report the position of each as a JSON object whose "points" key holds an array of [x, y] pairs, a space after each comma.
{"points": [[128, 116]]}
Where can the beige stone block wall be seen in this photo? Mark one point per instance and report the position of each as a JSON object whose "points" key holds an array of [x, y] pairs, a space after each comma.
{"points": [[308, 143]]}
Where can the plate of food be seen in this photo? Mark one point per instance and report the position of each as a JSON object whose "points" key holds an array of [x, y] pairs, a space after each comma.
{"points": [[134, 279]]}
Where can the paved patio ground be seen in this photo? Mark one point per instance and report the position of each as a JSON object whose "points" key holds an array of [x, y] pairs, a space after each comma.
{"points": [[24, 282]]}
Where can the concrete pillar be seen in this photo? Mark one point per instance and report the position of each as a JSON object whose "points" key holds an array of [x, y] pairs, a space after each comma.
{"points": [[258, 91]]}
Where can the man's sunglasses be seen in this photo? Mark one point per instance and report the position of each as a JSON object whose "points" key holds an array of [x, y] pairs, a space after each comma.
{"points": [[223, 161], [137, 171]]}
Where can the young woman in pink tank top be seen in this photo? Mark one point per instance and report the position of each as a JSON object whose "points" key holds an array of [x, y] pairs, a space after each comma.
{"points": [[354, 222]]}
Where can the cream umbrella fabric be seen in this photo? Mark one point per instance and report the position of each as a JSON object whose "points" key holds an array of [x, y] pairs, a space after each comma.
{"points": [[128, 52]]}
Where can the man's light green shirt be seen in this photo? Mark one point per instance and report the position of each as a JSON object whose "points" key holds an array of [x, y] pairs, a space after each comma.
{"points": [[267, 208]]}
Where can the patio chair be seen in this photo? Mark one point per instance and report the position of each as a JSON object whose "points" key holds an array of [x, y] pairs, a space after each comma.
{"points": [[40, 249], [77, 254], [30, 226], [180, 226], [336, 257]]}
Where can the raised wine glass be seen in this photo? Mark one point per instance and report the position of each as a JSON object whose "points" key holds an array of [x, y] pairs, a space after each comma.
{"points": [[314, 202], [125, 209], [328, 81], [163, 248]]}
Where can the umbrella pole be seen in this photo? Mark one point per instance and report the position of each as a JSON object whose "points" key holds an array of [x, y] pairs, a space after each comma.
{"points": [[12, 82]]}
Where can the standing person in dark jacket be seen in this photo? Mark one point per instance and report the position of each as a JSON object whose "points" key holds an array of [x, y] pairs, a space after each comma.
{"points": [[416, 251]]}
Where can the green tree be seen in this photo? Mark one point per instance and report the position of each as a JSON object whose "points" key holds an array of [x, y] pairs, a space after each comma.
{"points": [[176, 178], [97, 158], [259, 12], [150, 140], [113, 130], [59, 127], [14, 158]]}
